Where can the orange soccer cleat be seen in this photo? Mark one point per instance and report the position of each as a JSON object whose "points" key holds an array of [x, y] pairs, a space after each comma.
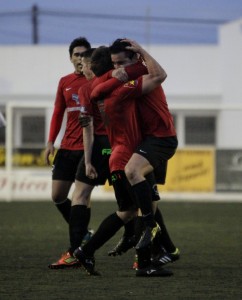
{"points": [[66, 261]]}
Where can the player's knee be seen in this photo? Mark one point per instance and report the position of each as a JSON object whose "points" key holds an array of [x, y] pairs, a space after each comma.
{"points": [[126, 216], [81, 196], [131, 173], [57, 198]]}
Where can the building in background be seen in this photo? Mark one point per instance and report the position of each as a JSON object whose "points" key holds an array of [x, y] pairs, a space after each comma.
{"points": [[204, 93]]}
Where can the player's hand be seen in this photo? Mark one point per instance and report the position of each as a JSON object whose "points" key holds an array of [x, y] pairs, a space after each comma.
{"points": [[84, 120], [91, 171], [120, 74], [134, 46], [50, 150]]}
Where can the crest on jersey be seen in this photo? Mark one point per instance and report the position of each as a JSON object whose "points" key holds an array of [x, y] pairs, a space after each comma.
{"points": [[131, 84]]}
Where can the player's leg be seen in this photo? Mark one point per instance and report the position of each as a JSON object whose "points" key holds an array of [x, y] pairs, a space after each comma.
{"points": [[136, 169], [133, 229], [163, 249], [60, 191], [63, 175], [80, 214], [111, 224]]}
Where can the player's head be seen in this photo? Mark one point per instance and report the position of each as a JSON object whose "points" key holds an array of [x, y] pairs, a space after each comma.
{"points": [[76, 48], [86, 63], [120, 56], [79, 42], [101, 61]]}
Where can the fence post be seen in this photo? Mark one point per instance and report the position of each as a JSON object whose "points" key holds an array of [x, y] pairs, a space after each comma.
{"points": [[35, 35]]}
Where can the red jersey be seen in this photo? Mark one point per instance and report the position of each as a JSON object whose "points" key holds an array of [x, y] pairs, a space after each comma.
{"points": [[155, 115], [118, 110], [89, 107], [154, 112], [67, 100]]}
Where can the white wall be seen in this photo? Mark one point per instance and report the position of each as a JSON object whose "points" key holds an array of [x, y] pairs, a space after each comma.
{"points": [[192, 70], [230, 121], [30, 70]]}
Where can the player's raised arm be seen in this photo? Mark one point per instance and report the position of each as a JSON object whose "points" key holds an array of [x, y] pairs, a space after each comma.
{"points": [[156, 74]]}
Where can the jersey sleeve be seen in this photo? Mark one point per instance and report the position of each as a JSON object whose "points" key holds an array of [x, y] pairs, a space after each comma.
{"points": [[136, 70], [85, 103], [58, 113], [131, 89], [107, 87]]}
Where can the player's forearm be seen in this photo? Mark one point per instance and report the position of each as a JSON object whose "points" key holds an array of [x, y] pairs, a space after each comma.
{"points": [[55, 125], [154, 68], [88, 139]]}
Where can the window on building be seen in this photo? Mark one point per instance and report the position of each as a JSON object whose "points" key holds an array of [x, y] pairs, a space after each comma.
{"points": [[200, 130], [33, 130]]}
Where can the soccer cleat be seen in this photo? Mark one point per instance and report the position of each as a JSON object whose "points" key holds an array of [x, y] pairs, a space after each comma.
{"points": [[166, 258], [153, 271], [125, 243], [66, 261], [87, 237], [147, 237], [87, 262]]}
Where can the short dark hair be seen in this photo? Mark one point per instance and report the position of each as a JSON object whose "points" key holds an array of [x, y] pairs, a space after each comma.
{"points": [[79, 42], [88, 53], [119, 46], [101, 61]]}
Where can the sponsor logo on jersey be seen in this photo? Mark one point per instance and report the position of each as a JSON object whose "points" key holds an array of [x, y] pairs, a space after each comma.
{"points": [[75, 98]]}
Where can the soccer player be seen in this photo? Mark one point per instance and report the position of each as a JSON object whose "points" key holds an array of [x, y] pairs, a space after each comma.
{"points": [[93, 169], [158, 146], [159, 133], [124, 135], [71, 149], [121, 56]]}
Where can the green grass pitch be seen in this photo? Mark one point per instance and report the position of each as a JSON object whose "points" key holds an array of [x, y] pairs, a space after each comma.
{"points": [[209, 235]]}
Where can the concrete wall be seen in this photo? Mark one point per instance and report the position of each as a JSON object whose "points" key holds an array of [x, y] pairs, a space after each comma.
{"points": [[230, 121], [35, 70]]}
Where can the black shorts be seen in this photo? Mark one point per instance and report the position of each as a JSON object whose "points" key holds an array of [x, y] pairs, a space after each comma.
{"points": [[156, 150], [65, 164], [100, 160], [160, 172], [123, 192]]}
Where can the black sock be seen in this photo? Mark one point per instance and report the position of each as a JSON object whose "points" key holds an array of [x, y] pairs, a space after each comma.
{"points": [[129, 228], [144, 256], [65, 209], [164, 237], [78, 225], [106, 230], [139, 227], [88, 215], [143, 194]]}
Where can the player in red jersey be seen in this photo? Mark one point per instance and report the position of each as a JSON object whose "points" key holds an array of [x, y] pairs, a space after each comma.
{"points": [[96, 158], [156, 123], [158, 146], [120, 117], [71, 148]]}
